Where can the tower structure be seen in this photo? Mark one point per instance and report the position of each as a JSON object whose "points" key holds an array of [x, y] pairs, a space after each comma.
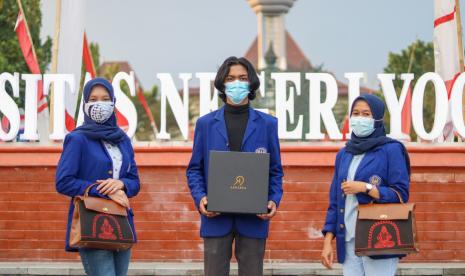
{"points": [[271, 29]]}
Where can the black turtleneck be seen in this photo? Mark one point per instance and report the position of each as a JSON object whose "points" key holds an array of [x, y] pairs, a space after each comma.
{"points": [[236, 117]]}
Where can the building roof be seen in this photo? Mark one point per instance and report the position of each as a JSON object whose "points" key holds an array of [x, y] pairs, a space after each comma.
{"points": [[123, 66], [297, 61]]}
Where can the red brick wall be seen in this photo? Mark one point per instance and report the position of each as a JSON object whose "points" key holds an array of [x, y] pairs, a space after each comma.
{"points": [[33, 215]]}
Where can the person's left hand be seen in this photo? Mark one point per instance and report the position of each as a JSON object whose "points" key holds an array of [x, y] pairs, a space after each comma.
{"points": [[121, 198], [353, 187], [109, 186], [271, 213]]}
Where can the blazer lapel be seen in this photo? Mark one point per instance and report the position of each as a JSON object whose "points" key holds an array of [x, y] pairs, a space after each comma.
{"points": [[221, 124], [251, 126], [367, 159], [344, 165]]}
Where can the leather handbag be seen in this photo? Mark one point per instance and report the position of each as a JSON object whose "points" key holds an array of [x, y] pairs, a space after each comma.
{"points": [[100, 223], [386, 229]]}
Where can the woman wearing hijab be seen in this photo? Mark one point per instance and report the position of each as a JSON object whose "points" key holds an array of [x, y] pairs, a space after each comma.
{"points": [[99, 152], [370, 168]]}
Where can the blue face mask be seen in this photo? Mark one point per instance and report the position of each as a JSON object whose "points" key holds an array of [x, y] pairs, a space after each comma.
{"points": [[362, 126], [237, 91]]}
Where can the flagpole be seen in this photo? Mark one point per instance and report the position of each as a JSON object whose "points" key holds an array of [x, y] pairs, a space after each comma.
{"points": [[54, 67], [460, 46], [459, 34], [412, 57]]}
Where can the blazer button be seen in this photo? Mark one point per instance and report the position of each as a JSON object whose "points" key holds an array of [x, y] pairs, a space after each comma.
{"points": [[341, 210], [341, 226], [110, 172]]}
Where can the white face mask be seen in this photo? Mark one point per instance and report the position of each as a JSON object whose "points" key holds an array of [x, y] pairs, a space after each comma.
{"points": [[362, 126], [99, 111]]}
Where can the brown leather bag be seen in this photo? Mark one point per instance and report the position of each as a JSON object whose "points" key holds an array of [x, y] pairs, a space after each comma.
{"points": [[100, 223], [386, 229]]}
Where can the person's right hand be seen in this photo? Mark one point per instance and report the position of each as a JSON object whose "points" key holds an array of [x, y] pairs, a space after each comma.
{"points": [[327, 255], [203, 208]]}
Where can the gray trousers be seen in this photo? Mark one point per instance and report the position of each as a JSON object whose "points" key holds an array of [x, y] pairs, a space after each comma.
{"points": [[249, 253]]}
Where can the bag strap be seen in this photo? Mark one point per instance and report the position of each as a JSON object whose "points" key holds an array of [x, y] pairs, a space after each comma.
{"points": [[398, 195]]}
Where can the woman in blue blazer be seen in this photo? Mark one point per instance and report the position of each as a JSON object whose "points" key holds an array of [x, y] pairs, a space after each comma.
{"points": [[99, 152], [370, 168], [234, 127]]}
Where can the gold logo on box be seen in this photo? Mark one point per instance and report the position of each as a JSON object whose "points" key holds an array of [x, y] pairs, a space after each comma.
{"points": [[239, 183]]}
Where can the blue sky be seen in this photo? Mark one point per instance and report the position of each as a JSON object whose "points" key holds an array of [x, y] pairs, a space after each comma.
{"points": [[173, 36]]}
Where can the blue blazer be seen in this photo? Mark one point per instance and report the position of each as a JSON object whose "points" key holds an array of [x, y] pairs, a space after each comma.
{"points": [[385, 167], [83, 161], [211, 134]]}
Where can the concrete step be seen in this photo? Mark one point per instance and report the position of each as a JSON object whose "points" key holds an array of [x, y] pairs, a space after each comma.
{"points": [[178, 269]]}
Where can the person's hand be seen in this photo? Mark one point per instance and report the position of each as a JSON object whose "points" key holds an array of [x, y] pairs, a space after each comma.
{"points": [[353, 187], [271, 213], [120, 197], [203, 208], [327, 255], [109, 186]]}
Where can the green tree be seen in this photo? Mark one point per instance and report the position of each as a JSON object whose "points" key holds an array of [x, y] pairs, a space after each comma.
{"points": [[95, 53], [420, 57], [144, 130], [11, 57]]}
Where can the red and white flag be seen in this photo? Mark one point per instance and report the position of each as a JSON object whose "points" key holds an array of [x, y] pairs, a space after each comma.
{"points": [[87, 58], [145, 105], [27, 48], [446, 51], [407, 114], [345, 129]]}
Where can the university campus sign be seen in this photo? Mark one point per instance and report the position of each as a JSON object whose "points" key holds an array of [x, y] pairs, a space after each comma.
{"points": [[320, 110]]}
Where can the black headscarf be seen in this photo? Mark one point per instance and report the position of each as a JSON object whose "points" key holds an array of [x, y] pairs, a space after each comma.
{"points": [[359, 145], [109, 130]]}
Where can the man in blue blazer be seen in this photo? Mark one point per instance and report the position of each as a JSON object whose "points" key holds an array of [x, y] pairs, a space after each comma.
{"points": [[234, 127]]}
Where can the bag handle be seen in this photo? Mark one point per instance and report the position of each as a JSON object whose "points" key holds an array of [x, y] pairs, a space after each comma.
{"points": [[398, 195], [86, 193]]}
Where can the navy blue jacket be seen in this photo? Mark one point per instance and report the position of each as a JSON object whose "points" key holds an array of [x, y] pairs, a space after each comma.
{"points": [[210, 134], [83, 161], [384, 165]]}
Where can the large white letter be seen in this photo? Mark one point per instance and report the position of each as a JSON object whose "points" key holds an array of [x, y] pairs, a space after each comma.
{"points": [[80, 119], [354, 91], [60, 81], [179, 107], [8, 107], [395, 106], [123, 103], [30, 107], [441, 109], [208, 101], [262, 90], [284, 105], [456, 104], [317, 108]]}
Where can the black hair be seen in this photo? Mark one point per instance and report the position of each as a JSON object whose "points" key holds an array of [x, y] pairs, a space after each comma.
{"points": [[223, 71]]}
